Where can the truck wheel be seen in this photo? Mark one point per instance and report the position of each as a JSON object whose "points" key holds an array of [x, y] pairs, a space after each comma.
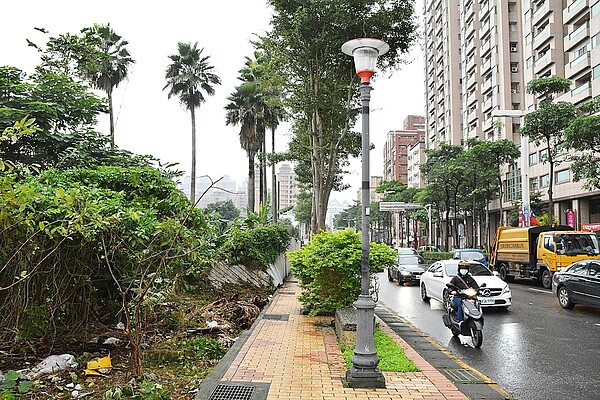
{"points": [[546, 278], [502, 273]]}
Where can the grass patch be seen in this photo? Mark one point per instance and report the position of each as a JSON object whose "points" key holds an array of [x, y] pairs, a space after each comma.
{"points": [[391, 356]]}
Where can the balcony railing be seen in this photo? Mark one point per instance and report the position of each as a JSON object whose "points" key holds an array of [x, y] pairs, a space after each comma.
{"points": [[580, 88], [578, 31], [574, 4]]}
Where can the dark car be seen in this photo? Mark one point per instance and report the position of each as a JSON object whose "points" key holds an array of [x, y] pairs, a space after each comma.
{"points": [[408, 268], [470, 255], [579, 283]]}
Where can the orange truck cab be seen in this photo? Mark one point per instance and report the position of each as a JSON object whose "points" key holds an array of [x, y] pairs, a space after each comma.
{"points": [[536, 252]]}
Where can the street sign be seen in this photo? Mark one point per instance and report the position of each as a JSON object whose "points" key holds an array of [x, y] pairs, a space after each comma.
{"points": [[399, 206]]}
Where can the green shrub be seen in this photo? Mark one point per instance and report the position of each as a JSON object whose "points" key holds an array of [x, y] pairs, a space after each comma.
{"points": [[432, 256], [255, 247], [329, 269]]}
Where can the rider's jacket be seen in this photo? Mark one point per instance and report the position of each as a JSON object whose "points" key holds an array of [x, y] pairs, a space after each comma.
{"points": [[464, 282]]}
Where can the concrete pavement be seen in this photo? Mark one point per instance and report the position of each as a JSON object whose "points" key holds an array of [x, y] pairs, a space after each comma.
{"points": [[290, 356]]}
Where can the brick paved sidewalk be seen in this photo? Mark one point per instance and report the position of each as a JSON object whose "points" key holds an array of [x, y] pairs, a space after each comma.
{"points": [[298, 358]]}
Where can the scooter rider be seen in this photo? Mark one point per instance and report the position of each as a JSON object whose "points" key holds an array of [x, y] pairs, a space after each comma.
{"points": [[463, 280]]}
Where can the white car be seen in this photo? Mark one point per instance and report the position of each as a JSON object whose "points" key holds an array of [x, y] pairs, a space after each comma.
{"points": [[433, 283]]}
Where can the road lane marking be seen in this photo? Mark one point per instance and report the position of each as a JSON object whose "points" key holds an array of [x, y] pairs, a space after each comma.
{"points": [[540, 290]]}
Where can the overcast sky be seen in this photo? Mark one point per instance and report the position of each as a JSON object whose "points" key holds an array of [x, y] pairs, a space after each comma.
{"points": [[148, 123]]}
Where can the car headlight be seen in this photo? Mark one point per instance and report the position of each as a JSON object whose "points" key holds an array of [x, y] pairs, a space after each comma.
{"points": [[506, 290]]}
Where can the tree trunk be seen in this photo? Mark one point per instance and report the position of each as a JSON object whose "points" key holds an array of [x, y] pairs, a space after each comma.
{"points": [[274, 194], [112, 121], [251, 182], [193, 177]]}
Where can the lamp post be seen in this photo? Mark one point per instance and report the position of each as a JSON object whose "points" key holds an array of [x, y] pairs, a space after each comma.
{"points": [[525, 207], [428, 208], [364, 372]]}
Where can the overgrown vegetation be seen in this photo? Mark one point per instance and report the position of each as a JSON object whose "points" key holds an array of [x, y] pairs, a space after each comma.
{"points": [[329, 269]]}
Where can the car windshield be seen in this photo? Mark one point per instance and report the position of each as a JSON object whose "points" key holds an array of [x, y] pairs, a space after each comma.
{"points": [[406, 260], [472, 256], [571, 244], [474, 269]]}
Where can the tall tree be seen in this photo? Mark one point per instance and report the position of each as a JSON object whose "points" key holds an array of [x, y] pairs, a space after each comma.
{"points": [[190, 77], [546, 124], [112, 69], [244, 109], [582, 135], [320, 80], [260, 70]]}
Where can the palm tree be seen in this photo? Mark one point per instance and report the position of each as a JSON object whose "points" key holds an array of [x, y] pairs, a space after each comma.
{"points": [[260, 71], [246, 109], [190, 78], [112, 69]]}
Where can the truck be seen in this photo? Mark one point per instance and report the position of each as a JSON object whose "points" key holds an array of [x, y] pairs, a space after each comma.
{"points": [[536, 252]]}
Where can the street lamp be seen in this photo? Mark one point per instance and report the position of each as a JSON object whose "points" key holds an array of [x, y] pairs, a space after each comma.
{"points": [[364, 372], [428, 208], [525, 207]]}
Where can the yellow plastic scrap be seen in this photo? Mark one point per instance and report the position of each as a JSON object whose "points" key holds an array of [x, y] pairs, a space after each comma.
{"points": [[99, 367]]}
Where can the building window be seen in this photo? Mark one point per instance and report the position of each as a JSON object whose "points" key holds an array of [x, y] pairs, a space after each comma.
{"points": [[544, 181], [533, 158], [544, 155], [533, 184], [596, 72], [513, 183], [529, 62], [562, 176], [595, 9], [527, 15]]}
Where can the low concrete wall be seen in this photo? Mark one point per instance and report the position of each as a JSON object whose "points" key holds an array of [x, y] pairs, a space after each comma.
{"points": [[223, 274]]}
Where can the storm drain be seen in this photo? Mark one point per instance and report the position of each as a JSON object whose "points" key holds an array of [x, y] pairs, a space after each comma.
{"points": [[231, 392], [286, 293], [277, 317], [463, 376]]}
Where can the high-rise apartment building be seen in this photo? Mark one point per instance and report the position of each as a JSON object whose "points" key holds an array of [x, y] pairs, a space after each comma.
{"points": [[480, 55], [287, 188]]}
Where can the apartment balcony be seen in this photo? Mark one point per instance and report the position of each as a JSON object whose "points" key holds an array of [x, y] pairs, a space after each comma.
{"points": [[485, 67], [486, 85], [470, 28], [575, 67], [472, 98], [543, 62], [485, 28], [577, 36], [541, 37], [484, 10], [472, 116], [470, 64], [485, 47], [487, 105], [487, 125], [581, 93], [470, 46], [469, 11], [471, 81], [574, 9], [541, 12]]}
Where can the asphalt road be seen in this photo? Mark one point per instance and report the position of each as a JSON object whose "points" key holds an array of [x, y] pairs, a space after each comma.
{"points": [[535, 350]]}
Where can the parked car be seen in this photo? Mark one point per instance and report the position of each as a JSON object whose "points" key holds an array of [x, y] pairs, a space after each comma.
{"points": [[408, 268], [579, 283], [433, 283], [470, 255], [406, 251], [430, 248]]}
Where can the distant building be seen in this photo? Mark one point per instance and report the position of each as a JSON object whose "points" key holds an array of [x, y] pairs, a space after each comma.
{"points": [[224, 190], [334, 208], [287, 187], [396, 149]]}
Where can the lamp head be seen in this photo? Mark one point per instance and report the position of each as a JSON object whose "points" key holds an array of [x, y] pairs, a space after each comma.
{"points": [[365, 52]]}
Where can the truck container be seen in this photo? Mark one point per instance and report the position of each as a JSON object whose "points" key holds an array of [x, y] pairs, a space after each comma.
{"points": [[536, 252]]}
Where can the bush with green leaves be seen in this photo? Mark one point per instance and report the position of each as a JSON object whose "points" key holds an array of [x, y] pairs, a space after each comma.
{"points": [[70, 238], [329, 268], [255, 247]]}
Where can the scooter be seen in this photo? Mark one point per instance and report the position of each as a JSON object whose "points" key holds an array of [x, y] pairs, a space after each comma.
{"points": [[473, 315]]}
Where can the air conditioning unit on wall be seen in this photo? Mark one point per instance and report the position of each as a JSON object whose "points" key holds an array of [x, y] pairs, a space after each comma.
{"points": [[514, 69], [513, 91], [513, 48]]}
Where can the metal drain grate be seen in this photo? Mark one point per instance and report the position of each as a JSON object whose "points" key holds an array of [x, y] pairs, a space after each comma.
{"points": [[277, 317], [282, 292], [463, 376], [231, 392]]}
